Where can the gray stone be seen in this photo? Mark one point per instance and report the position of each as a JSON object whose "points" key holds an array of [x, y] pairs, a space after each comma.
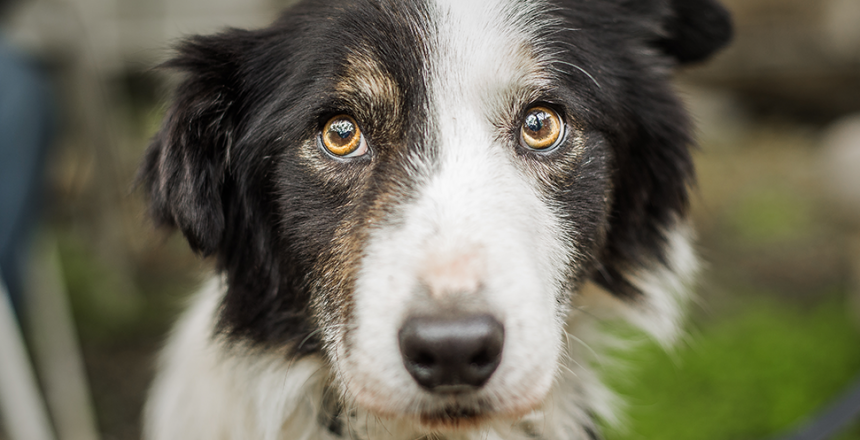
{"points": [[841, 164]]}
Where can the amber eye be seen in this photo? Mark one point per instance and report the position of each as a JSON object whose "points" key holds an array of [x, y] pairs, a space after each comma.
{"points": [[342, 137], [541, 129]]}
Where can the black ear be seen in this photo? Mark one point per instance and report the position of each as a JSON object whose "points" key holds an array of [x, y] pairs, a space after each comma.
{"points": [[648, 259], [695, 29], [184, 170]]}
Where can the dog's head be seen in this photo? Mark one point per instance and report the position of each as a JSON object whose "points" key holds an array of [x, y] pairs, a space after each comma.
{"points": [[417, 189]]}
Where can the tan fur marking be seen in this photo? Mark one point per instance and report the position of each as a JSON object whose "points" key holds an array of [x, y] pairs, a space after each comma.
{"points": [[365, 80]]}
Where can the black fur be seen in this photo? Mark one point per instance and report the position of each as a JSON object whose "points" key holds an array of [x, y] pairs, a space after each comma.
{"points": [[223, 167], [637, 111], [226, 168]]}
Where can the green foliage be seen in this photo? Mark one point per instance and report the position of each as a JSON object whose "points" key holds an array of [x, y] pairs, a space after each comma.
{"points": [[104, 303], [748, 377], [770, 215]]}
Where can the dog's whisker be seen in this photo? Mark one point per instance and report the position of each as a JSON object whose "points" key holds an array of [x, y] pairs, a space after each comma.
{"points": [[584, 311], [563, 29], [590, 76], [568, 369], [321, 330], [567, 357], [381, 423], [588, 347]]}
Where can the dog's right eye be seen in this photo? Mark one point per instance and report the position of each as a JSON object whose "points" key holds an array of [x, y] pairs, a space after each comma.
{"points": [[541, 129], [342, 137]]}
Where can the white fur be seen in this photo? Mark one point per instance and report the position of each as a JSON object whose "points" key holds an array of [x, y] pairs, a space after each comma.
{"points": [[666, 290], [205, 390], [476, 215]]}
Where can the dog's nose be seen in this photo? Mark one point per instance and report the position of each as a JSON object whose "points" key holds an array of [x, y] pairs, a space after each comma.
{"points": [[451, 354]]}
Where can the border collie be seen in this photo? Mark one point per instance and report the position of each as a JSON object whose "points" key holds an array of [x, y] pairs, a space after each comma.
{"points": [[405, 199]]}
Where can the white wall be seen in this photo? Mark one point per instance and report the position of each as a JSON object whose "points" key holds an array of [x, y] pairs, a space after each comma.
{"points": [[114, 35]]}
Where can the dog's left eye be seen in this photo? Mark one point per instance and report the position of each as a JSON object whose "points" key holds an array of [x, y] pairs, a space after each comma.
{"points": [[541, 129], [342, 137]]}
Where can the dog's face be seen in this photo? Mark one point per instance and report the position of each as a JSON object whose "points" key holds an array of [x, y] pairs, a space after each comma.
{"points": [[416, 189]]}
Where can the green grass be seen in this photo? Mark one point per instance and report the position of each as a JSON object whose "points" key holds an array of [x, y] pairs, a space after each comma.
{"points": [[770, 215], [748, 377]]}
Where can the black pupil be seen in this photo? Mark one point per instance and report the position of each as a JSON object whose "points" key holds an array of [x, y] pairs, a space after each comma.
{"points": [[343, 128], [535, 120]]}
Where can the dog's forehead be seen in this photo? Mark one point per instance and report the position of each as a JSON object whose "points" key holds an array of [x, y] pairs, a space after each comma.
{"points": [[483, 45], [489, 63], [472, 52]]}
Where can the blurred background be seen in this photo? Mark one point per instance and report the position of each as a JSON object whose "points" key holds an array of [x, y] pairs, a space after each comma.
{"points": [[774, 336]]}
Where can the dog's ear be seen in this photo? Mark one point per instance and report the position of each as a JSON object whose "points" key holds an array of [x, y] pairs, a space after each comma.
{"points": [[694, 29], [648, 259], [185, 168]]}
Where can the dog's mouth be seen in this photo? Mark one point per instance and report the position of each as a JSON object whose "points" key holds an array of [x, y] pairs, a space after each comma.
{"points": [[461, 411], [459, 417], [454, 418]]}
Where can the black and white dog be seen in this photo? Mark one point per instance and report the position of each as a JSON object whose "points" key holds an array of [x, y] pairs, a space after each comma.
{"points": [[405, 198]]}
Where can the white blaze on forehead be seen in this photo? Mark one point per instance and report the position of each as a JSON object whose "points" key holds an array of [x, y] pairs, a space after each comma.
{"points": [[478, 223], [486, 63], [484, 48]]}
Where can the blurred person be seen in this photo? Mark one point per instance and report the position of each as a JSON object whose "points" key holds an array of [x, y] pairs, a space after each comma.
{"points": [[26, 130]]}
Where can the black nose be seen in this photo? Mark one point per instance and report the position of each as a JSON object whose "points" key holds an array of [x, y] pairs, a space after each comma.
{"points": [[451, 354]]}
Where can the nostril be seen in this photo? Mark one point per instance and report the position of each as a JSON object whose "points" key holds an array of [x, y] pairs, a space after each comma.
{"points": [[482, 358], [424, 359], [444, 353]]}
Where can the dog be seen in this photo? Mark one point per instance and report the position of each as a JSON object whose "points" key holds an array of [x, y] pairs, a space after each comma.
{"points": [[405, 201]]}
